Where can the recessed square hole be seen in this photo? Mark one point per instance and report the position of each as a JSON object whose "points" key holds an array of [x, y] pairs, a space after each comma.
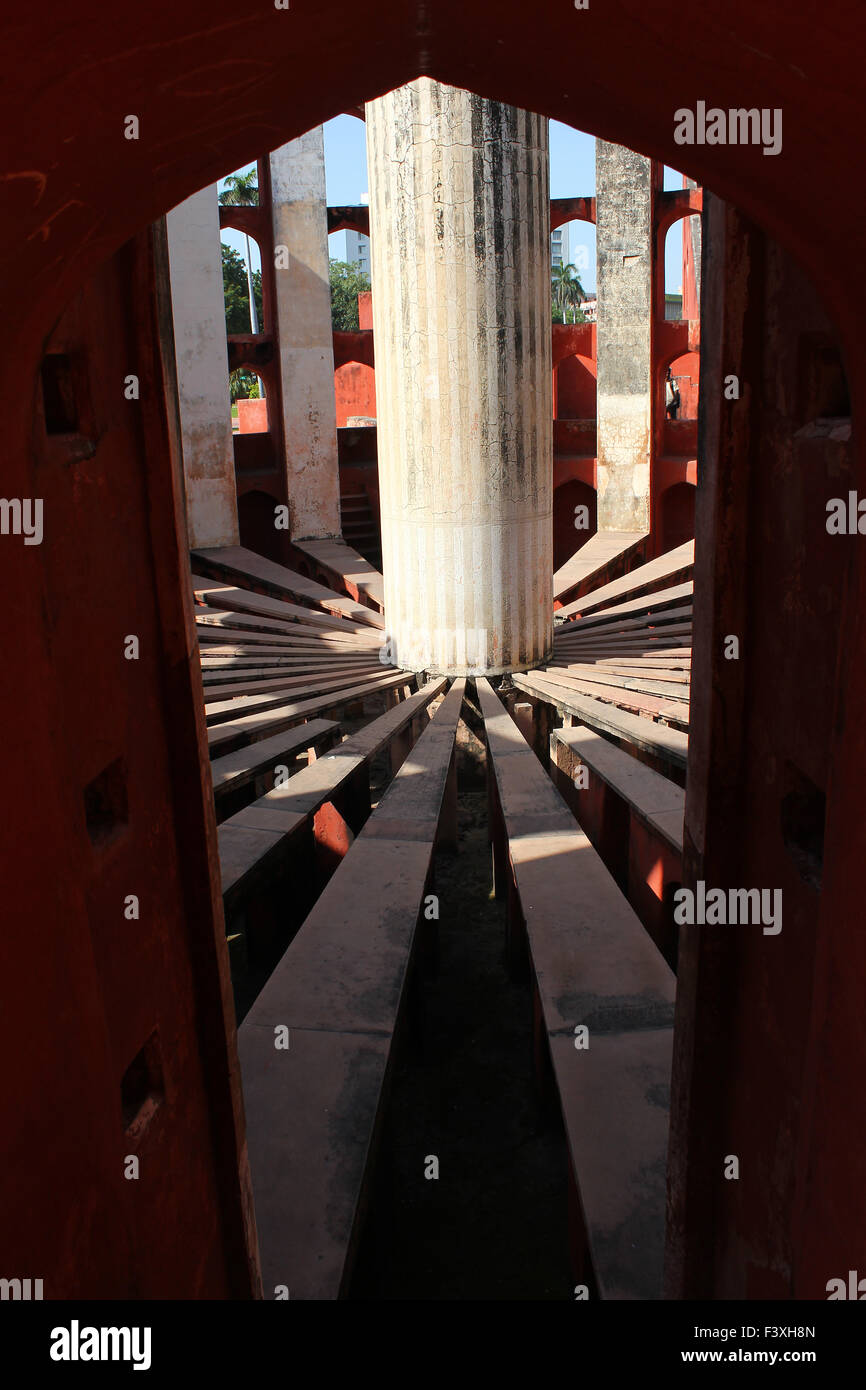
{"points": [[106, 806], [58, 394], [822, 388], [803, 811], [142, 1089]]}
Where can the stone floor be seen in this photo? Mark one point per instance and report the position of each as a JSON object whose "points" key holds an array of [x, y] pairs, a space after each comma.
{"points": [[493, 1226]]}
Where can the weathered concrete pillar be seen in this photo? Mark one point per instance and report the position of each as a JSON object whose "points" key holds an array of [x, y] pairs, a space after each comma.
{"points": [[692, 252], [303, 326], [198, 308], [460, 242], [624, 200]]}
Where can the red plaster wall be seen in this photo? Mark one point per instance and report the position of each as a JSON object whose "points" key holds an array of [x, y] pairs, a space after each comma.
{"points": [[566, 540], [576, 389], [679, 442], [676, 523], [573, 438], [91, 987], [355, 388], [763, 730], [252, 416], [687, 369], [256, 514], [654, 870]]}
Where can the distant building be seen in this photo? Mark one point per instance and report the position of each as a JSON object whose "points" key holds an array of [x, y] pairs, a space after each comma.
{"points": [[673, 306], [559, 247], [358, 250], [590, 310]]}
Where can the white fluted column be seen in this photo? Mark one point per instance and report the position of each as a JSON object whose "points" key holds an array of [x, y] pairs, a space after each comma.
{"points": [[460, 252]]}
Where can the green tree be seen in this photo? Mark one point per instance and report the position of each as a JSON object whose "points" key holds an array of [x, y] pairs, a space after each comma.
{"points": [[347, 282], [568, 293], [244, 385], [242, 190], [236, 291]]}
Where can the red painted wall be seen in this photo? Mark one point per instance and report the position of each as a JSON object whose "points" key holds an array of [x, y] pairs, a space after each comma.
{"points": [[355, 389], [252, 416], [566, 539], [686, 369], [768, 1010], [122, 807], [676, 523], [576, 389]]}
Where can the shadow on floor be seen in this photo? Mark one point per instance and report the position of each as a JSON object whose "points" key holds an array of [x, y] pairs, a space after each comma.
{"points": [[494, 1224]]}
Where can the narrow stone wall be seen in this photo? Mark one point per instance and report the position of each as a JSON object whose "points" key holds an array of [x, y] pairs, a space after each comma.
{"points": [[625, 278], [303, 327], [198, 309]]}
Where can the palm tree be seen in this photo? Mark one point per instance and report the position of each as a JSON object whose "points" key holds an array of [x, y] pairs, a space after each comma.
{"points": [[568, 289], [242, 190], [560, 276], [577, 294]]}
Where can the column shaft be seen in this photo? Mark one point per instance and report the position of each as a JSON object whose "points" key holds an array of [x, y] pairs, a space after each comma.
{"points": [[198, 309], [624, 198], [460, 250], [304, 335]]}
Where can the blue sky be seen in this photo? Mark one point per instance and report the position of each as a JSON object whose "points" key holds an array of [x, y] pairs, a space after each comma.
{"points": [[572, 174]]}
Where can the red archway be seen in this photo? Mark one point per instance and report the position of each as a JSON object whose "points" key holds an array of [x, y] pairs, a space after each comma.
{"points": [[75, 190], [200, 112]]}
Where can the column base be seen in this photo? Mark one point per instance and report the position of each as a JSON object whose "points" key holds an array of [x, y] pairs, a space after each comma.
{"points": [[489, 672]]}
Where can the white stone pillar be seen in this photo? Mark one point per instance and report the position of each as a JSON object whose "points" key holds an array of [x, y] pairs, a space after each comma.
{"points": [[460, 250], [303, 327], [624, 201], [198, 308], [693, 229]]}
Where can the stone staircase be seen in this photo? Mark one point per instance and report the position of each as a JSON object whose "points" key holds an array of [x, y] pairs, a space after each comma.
{"points": [[360, 526]]}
